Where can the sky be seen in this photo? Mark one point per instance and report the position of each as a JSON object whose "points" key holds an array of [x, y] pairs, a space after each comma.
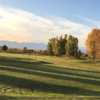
{"points": [[40, 20]]}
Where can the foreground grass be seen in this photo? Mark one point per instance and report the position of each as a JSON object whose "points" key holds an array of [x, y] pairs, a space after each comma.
{"points": [[28, 78]]}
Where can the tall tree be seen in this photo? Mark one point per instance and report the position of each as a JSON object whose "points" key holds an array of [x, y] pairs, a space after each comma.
{"points": [[49, 47], [59, 45], [53, 45], [97, 45], [93, 43], [56, 47], [71, 45], [62, 42]]}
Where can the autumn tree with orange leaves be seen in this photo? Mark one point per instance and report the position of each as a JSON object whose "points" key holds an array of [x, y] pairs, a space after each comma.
{"points": [[93, 44]]}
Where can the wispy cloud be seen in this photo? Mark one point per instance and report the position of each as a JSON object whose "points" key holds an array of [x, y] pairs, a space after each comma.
{"points": [[28, 27], [96, 23]]}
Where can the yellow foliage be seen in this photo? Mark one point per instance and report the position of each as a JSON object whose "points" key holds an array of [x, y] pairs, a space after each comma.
{"points": [[93, 43]]}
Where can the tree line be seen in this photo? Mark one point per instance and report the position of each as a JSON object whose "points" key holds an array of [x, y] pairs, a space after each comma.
{"points": [[64, 46], [23, 50], [68, 45]]}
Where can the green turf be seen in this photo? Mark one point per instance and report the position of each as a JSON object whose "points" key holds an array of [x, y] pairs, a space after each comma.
{"points": [[28, 78]]}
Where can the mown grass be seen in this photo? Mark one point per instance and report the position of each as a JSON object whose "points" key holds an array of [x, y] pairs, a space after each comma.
{"points": [[24, 77]]}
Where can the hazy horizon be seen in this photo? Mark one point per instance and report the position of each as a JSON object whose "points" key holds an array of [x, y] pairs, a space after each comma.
{"points": [[30, 45]]}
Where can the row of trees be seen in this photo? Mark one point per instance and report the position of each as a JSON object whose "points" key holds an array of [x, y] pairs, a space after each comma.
{"points": [[24, 50], [69, 45], [15, 50], [62, 45], [93, 44]]}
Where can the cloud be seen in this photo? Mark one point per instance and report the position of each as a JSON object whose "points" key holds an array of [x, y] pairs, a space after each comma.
{"points": [[29, 27], [2, 37], [87, 19], [94, 22]]}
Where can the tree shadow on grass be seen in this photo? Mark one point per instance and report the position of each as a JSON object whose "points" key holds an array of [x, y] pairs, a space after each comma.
{"points": [[53, 75], [21, 60], [40, 66], [90, 61], [30, 98], [44, 87], [25, 66], [53, 70], [77, 70]]}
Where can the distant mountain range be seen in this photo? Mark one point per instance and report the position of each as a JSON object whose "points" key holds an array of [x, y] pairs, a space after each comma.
{"points": [[30, 45]]}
